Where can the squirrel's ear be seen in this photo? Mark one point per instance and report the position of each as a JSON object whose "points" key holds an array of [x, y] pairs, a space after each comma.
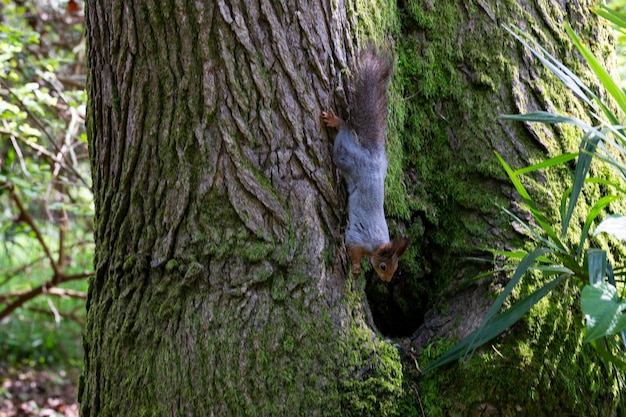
{"points": [[400, 246]]}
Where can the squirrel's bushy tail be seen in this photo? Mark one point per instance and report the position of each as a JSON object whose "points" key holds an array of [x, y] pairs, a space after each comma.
{"points": [[369, 95]]}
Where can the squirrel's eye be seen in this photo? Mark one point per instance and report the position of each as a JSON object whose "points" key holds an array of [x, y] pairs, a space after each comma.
{"points": [[383, 267]]}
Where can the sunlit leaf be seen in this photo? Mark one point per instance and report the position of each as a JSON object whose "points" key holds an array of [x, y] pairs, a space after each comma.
{"points": [[596, 266], [611, 15], [614, 225], [603, 310], [588, 145]]}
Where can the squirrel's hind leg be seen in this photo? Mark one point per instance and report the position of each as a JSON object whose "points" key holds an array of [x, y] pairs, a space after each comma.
{"points": [[355, 254]]}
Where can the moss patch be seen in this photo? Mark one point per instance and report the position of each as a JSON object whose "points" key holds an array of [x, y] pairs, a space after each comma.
{"points": [[541, 368]]}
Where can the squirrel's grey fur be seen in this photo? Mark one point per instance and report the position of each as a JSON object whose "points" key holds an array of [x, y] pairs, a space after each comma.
{"points": [[359, 150]]}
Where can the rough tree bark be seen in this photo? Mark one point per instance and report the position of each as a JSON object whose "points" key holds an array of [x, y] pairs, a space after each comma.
{"points": [[220, 286], [221, 283]]}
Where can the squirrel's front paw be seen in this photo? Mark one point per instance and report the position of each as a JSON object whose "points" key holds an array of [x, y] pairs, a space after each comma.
{"points": [[330, 119]]}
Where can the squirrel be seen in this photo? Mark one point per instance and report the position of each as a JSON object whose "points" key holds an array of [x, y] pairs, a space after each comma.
{"points": [[359, 152]]}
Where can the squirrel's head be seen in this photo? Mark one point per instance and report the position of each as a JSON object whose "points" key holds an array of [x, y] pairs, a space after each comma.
{"points": [[385, 259]]}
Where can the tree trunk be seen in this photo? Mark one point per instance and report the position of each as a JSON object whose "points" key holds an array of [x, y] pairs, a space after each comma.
{"points": [[460, 70], [221, 283]]}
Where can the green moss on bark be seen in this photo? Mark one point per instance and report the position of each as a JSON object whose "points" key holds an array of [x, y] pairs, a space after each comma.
{"points": [[541, 368], [457, 71]]}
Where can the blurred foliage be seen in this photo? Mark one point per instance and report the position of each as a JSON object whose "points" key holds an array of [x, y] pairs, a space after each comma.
{"points": [[619, 6], [46, 205]]}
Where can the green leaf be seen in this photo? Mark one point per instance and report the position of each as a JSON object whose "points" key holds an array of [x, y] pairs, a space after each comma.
{"points": [[596, 265], [541, 116], [604, 312], [537, 214], [612, 16], [614, 225], [557, 160], [566, 76], [514, 178], [520, 271], [532, 232], [609, 357]]}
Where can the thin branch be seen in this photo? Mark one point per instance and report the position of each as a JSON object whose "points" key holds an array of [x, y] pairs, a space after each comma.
{"points": [[18, 150], [30, 114], [16, 272], [34, 292], [67, 316], [22, 269], [27, 218], [55, 311], [68, 293], [55, 291]]}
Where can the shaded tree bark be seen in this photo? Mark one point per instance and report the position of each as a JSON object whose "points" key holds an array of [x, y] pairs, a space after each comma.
{"points": [[221, 282]]}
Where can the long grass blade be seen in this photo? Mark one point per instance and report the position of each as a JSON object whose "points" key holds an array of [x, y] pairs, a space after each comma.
{"points": [[607, 81], [612, 16], [495, 327], [520, 271], [606, 156], [615, 185], [534, 233], [514, 179], [593, 213], [557, 160], [614, 225], [588, 145], [596, 265], [517, 254], [607, 356], [541, 116], [538, 216], [566, 76]]}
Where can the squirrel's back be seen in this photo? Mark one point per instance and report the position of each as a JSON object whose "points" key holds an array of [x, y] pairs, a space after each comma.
{"points": [[368, 95], [359, 152]]}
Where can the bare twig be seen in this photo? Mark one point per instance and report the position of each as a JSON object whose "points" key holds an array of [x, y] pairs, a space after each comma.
{"points": [[54, 310], [22, 269], [67, 293], [50, 157], [34, 292], [68, 316], [17, 148], [27, 218], [54, 291]]}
